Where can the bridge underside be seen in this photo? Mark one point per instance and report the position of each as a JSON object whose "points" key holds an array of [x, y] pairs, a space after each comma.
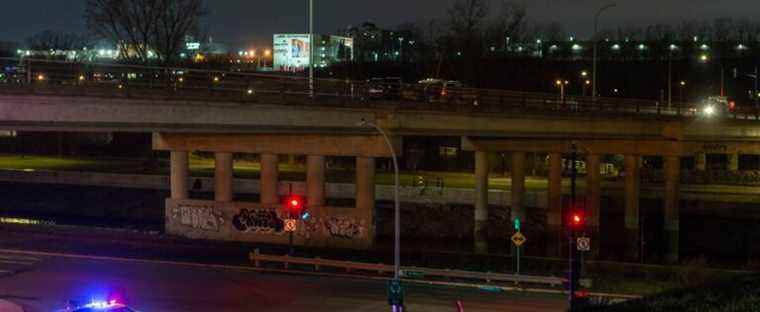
{"points": [[226, 219], [592, 150]]}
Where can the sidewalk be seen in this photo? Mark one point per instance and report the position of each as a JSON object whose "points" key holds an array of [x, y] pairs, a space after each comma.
{"points": [[7, 306]]}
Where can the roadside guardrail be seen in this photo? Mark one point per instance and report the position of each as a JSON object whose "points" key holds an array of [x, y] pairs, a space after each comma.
{"points": [[257, 259]]}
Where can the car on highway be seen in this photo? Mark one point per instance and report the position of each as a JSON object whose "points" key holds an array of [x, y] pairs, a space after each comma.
{"points": [[388, 88], [441, 91], [97, 306], [717, 106]]}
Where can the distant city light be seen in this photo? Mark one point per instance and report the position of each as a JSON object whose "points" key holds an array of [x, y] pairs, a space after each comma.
{"points": [[615, 47], [673, 47], [704, 58], [704, 47], [741, 47], [642, 47], [577, 47]]}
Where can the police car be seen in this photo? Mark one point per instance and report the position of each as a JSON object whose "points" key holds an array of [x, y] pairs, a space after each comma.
{"points": [[98, 306]]}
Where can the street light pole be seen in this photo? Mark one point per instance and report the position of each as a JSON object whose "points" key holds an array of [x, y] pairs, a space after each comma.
{"points": [[596, 44], [311, 48], [397, 217]]}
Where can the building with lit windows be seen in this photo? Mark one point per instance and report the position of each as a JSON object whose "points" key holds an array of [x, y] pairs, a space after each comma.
{"points": [[291, 51]]}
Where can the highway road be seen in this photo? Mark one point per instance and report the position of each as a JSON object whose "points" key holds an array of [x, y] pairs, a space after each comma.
{"points": [[46, 282]]}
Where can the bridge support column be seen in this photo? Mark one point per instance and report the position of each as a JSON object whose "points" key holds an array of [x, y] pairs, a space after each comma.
{"points": [[554, 214], [700, 161], [270, 179], [223, 177], [481, 202], [733, 162], [518, 186], [672, 202], [365, 191], [315, 183], [180, 173], [593, 200], [632, 192]]}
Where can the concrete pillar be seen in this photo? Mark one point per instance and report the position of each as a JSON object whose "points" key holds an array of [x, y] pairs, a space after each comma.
{"points": [[518, 186], [632, 194], [270, 179], [180, 173], [700, 161], [593, 200], [554, 214], [481, 202], [365, 188], [733, 162], [672, 189], [223, 177], [315, 182]]}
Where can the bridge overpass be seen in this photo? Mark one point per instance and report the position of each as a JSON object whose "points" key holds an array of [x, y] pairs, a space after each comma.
{"points": [[227, 112]]}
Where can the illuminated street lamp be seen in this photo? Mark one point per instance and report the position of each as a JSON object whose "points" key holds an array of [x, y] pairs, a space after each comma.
{"points": [[561, 84]]}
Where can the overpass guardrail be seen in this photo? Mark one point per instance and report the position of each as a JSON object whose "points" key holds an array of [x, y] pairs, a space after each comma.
{"points": [[257, 259], [52, 77]]}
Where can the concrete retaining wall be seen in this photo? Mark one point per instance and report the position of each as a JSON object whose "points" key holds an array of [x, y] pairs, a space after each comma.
{"points": [[248, 222]]}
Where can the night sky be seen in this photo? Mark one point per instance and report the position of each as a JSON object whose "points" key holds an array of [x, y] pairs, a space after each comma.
{"points": [[244, 22]]}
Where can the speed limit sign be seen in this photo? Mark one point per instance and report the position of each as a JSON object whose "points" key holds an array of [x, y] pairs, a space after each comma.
{"points": [[584, 244]]}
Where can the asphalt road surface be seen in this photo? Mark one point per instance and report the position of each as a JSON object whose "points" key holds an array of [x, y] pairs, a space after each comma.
{"points": [[45, 283]]}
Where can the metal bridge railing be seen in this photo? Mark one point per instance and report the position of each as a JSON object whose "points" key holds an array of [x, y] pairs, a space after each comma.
{"points": [[49, 77]]}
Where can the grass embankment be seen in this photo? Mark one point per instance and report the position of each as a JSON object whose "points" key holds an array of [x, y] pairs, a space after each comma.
{"points": [[244, 169], [729, 294]]}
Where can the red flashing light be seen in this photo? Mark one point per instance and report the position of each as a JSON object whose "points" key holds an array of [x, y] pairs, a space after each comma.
{"points": [[577, 220]]}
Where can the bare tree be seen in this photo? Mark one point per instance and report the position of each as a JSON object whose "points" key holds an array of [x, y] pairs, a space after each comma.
{"points": [[139, 27], [466, 20], [509, 22], [178, 19], [54, 40]]}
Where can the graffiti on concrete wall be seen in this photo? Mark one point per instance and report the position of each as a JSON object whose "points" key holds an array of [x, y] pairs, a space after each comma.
{"points": [[341, 227], [262, 221], [202, 217], [714, 148]]}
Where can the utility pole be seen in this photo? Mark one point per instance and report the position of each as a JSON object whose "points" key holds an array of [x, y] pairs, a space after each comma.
{"points": [[311, 48], [670, 80], [594, 92]]}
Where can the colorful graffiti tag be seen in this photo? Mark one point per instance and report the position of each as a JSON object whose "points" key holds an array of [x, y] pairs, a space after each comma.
{"points": [[347, 228], [262, 221]]}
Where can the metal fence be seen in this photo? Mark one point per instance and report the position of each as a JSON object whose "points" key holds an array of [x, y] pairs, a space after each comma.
{"points": [[258, 260], [33, 76]]}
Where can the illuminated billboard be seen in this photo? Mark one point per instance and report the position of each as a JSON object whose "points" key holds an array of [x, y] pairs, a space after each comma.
{"points": [[291, 52]]}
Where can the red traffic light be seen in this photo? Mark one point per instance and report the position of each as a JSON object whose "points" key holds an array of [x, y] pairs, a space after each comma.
{"points": [[296, 207], [294, 203], [577, 219]]}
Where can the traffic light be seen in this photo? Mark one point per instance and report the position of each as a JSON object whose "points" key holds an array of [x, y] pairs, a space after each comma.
{"points": [[517, 224], [577, 220], [296, 207]]}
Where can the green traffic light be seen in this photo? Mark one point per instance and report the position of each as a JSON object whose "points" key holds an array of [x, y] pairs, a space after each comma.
{"points": [[517, 224]]}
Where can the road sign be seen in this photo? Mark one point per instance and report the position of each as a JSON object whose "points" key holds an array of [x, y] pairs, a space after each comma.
{"points": [[395, 293], [291, 225], [584, 244], [518, 239]]}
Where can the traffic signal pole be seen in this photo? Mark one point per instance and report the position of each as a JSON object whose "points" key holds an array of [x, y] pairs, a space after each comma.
{"points": [[576, 223]]}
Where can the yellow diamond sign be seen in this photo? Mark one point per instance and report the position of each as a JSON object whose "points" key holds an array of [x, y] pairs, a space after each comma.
{"points": [[518, 239]]}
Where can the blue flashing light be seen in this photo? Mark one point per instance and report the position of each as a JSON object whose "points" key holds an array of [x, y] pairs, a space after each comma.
{"points": [[102, 305], [306, 216]]}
